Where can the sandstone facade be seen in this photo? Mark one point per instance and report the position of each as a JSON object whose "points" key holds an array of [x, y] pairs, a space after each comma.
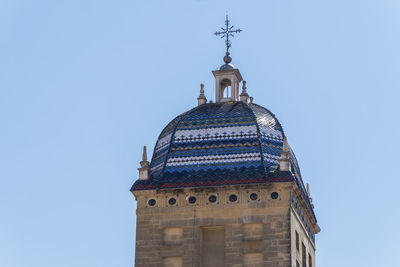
{"points": [[252, 225]]}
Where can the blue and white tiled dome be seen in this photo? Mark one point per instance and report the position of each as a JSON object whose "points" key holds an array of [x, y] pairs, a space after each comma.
{"points": [[214, 144]]}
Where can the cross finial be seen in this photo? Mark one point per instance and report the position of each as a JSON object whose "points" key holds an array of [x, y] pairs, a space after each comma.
{"points": [[227, 32]]}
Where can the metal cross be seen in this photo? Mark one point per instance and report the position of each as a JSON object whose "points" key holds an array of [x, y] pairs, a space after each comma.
{"points": [[227, 32]]}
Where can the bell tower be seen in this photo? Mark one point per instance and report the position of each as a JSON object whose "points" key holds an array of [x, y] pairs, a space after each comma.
{"points": [[223, 187], [227, 80]]}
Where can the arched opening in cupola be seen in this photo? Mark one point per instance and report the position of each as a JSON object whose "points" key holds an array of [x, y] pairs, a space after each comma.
{"points": [[226, 88]]}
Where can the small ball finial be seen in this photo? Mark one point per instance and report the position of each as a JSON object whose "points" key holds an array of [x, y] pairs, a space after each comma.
{"points": [[227, 58]]}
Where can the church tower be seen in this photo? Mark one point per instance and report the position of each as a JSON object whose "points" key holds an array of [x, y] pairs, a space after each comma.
{"points": [[223, 187]]}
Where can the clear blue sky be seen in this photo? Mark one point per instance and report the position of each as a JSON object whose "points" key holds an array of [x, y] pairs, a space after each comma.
{"points": [[85, 84]]}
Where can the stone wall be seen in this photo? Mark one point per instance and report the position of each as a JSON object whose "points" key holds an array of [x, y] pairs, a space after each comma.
{"points": [[257, 227], [298, 229]]}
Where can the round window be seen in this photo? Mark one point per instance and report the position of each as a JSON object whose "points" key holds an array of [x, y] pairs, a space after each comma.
{"points": [[152, 202], [253, 196], [274, 195], [232, 198], [172, 201], [192, 200], [212, 198]]}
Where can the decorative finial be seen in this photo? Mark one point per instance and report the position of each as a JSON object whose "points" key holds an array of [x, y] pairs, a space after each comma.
{"points": [[244, 86], [202, 98], [284, 162], [251, 99], [144, 170], [227, 32], [244, 96], [309, 194], [144, 155]]}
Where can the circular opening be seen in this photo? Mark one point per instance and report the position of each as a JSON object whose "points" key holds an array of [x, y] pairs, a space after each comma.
{"points": [[152, 202], [192, 200], [172, 201], [232, 198], [212, 198], [274, 195], [253, 196]]}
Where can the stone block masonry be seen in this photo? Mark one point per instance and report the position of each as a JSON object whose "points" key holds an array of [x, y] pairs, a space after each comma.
{"points": [[219, 226]]}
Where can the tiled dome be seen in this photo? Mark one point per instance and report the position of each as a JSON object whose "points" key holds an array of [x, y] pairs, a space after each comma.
{"points": [[215, 144]]}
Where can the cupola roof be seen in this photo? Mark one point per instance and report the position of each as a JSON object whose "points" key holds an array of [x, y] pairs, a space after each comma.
{"points": [[218, 144]]}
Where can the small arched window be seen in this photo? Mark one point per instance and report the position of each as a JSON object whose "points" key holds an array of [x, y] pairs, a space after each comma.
{"points": [[226, 88]]}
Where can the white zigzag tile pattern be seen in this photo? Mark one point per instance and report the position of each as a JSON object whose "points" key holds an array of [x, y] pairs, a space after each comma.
{"points": [[221, 133], [272, 158], [214, 159], [163, 142], [270, 132]]}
